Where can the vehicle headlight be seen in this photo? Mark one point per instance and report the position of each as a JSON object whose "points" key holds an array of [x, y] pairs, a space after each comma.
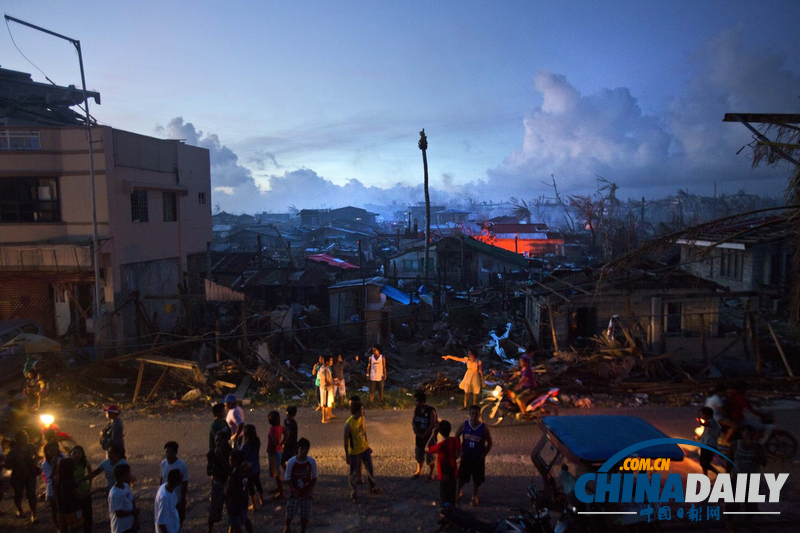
{"points": [[574, 509], [497, 391], [47, 420], [699, 430]]}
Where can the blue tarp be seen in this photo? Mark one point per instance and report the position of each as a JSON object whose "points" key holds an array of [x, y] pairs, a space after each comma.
{"points": [[398, 295], [596, 438]]}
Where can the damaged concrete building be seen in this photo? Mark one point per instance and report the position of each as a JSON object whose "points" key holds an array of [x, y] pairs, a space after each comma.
{"points": [[153, 201]]}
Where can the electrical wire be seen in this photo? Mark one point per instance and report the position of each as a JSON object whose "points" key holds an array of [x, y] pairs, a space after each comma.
{"points": [[23, 55]]}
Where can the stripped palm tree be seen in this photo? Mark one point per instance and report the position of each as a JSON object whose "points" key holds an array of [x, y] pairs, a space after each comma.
{"points": [[423, 145]]}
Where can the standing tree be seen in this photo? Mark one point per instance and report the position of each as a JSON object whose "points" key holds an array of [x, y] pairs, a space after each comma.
{"points": [[423, 145]]}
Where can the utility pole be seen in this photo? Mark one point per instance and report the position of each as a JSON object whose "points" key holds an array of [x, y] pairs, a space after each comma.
{"points": [[95, 244], [423, 145]]}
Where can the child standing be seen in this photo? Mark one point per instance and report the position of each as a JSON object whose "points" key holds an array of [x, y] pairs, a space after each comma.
{"points": [[219, 424], [274, 450], [251, 450], [711, 431], [171, 462], [122, 511], [301, 475], [52, 456], [447, 453], [70, 517], [84, 486], [115, 455], [236, 495], [219, 468], [289, 443]]}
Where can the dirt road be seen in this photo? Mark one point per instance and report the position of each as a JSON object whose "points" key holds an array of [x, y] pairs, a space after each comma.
{"points": [[406, 505]]}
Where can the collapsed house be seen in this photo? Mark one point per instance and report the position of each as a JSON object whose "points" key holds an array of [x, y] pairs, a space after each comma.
{"points": [[664, 309]]}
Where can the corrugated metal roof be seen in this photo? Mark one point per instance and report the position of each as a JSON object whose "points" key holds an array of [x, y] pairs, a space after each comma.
{"points": [[333, 261]]}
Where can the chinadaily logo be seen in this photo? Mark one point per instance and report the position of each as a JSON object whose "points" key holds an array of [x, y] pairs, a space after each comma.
{"points": [[626, 478]]}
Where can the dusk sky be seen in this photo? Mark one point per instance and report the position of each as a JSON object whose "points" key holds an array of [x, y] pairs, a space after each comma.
{"points": [[314, 103]]}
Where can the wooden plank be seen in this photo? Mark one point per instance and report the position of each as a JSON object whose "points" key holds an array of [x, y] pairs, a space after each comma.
{"points": [[551, 290], [243, 387], [157, 385], [138, 382], [169, 362], [780, 349]]}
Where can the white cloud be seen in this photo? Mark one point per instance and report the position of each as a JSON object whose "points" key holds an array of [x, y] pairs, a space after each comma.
{"points": [[577, 136]]}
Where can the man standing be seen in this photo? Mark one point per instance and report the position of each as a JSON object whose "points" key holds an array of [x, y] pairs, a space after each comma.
{"points": [[476, 441], [325, 378], [376, 372], [235, 420], [113, 433], [339, 389], [424, 423], [357, 450]]}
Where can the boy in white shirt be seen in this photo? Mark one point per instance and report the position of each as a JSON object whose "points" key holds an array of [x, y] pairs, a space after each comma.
{"points": [[122, 511], [171, 462], [165, 506]]}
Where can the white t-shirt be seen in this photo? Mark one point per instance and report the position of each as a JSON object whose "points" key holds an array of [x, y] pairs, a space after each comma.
{"points": [[377, 368], [234, 417], [120, 499], [177, 465], [717, 405], [108, 469], [165, 510]]}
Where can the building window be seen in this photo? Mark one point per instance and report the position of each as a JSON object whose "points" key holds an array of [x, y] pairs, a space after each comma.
{"points": [[170, 207], [139, 206], [29, 199], [674, 317], [19, 140], [201, 198], [730, 264]]}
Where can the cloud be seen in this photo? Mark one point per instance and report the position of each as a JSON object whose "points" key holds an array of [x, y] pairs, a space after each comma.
{"points": [[232, 184], [577, 136]]}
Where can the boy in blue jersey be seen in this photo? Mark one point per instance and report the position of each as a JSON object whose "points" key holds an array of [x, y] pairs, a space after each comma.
{"points": [[476, 442]]}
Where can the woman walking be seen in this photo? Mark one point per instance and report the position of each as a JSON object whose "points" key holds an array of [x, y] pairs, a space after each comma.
{"points": [[473, 377]]}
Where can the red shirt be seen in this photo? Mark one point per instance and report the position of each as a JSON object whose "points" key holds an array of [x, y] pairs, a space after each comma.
{"points": [[737, 404], [446, 453], [274, 439]]}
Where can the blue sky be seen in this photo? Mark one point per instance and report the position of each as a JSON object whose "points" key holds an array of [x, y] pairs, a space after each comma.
{"points": [[315, 103]]}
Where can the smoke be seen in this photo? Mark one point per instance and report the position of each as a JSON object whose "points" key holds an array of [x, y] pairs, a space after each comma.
{"points": [[576, 137]]}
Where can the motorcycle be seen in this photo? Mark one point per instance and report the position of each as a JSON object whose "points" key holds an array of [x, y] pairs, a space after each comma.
{"points": [[536, 520], [36, 429], [64, 439], [779, 443], [498, 406]]}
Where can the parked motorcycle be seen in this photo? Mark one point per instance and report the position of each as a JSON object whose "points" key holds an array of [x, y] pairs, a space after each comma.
{"points": [[499, 406], [778, 443], [537, 520]]}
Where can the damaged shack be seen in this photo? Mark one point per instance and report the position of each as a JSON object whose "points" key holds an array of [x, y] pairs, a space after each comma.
{"points": [[570, 307]]}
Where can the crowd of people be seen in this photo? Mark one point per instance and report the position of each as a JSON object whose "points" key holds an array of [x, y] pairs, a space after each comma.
{"points": [[234, 468], [457, 454]]}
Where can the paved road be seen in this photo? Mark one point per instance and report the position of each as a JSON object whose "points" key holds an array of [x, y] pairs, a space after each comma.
{"points": [[405, 506]]}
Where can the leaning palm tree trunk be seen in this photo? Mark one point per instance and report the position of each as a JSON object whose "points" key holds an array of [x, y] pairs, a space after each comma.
{"points": [[423, 145]]}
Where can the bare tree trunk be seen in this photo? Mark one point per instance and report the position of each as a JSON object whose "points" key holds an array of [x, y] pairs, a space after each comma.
{"points": [[423, 145]]}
